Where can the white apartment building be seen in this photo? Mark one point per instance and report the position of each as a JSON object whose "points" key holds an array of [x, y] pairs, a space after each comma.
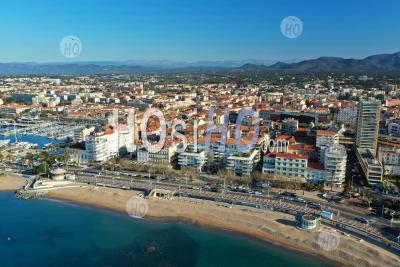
{"points": [[142, 155], [289, 126], [243, 164], [326, 138], [216, 156], [370, 166], [316, 172], [286, 164], [194, 159], [334, 159], [368, 118], [347, 115], [390, 157], [166, 155], [81, 134], [102, 144], [394, 129]]}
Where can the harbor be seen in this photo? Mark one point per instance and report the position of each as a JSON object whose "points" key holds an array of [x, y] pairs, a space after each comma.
{"points": [[53, 130]]}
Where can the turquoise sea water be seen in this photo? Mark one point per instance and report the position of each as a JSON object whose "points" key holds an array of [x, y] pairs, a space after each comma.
{"points": [[51, 233]]}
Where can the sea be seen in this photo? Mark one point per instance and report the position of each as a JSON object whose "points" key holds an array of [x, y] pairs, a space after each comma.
{"points": [[41, 141], [53, 233]]}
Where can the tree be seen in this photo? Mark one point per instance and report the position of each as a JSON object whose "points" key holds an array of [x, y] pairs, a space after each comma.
{"points": [[347, 189], [42, 168]]}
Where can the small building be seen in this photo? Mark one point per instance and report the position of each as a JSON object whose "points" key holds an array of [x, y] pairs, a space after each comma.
{"points": [[58, 174], [307, 221]]}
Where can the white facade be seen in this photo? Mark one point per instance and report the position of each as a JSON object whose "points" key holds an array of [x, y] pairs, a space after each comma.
{"points": [[103, 144], [286, 164], [334, 159], [370, 166], [390, 157], [164, 156], [326, 138], [81, 134], [192, 159], [368, 124], [394, 129], [347, 115], [243, 163]]}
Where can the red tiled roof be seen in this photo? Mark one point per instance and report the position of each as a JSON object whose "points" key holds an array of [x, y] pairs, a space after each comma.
{"points": [[291, 156], [315, 166]]}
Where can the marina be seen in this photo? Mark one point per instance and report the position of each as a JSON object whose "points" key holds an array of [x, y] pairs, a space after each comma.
{"points": [[53, 130], [26, 142]]}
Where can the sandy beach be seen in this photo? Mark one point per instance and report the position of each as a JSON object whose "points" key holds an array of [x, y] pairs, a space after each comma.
{"points": [[11, 182], [263, 225]]}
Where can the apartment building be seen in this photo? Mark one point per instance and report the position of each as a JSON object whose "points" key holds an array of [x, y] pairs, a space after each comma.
{"points": [[394, 129], [316, 172], [368, 124], [370, 166], [347, 115], [102, 144], [390, 158], [334, 159], [166, 155], [289, 126], [326, 138], [81, 134], [243, 164], [286, 164], [193, 159]]}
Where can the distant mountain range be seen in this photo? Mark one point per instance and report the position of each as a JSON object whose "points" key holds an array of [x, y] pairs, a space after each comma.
{"points": [[375, 63]]}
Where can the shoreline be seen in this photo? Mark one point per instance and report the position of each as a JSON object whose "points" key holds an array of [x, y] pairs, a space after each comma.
{"points": [[301, 251], [244, 222], [266, 227]]}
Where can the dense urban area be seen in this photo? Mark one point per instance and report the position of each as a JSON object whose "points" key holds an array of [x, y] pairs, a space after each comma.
{"points": [[326, 145]]}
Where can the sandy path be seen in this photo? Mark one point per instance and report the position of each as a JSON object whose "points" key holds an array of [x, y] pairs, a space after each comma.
{"points": [[265, 225]]}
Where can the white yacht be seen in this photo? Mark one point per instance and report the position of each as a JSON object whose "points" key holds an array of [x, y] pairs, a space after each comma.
{"points": [[3, 143]]}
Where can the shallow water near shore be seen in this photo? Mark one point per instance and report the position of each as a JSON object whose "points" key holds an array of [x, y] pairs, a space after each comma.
{"points": [[53, 233]]}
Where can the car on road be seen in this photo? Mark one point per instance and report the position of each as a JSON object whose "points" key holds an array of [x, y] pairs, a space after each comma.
{"points": [[363, 220], [314, 205], [300, 200], [287, 194]]}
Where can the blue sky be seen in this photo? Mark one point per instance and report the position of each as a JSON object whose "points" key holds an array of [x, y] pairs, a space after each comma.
{"points": [[189, 30]]}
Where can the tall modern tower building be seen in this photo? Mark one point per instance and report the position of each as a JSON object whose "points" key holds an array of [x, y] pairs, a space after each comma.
{"points": [[368, 118], [368, 124]]}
